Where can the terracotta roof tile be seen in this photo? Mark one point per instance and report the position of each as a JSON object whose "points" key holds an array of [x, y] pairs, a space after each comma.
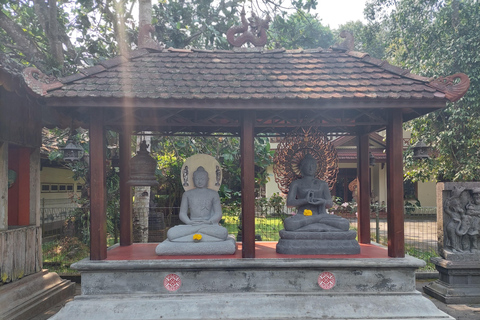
{"points": [[274, 74]]}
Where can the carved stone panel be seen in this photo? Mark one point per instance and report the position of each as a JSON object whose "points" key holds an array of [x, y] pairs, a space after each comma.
{"points": [[458, 220]]}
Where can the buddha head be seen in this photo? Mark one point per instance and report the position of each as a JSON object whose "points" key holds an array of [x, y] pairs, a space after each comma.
{"points": [[308, 166], [200, 177]]}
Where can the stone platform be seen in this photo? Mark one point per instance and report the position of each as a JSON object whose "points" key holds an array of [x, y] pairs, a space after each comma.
{"points": [[368, 285]]}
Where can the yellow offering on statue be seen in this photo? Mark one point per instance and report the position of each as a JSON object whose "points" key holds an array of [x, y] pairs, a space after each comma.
{"points": [[197, 237], [307, 212]]}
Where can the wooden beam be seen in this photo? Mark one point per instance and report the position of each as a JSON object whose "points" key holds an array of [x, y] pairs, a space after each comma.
{"points": [[126, 224], [248, 184], [395, 205], [98, 187], [363, 188]]}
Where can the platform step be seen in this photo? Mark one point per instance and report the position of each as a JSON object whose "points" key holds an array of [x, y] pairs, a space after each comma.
{"points": [[33, 295], [251, 306]]}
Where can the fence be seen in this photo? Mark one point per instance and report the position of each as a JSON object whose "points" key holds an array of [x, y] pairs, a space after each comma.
{"points": [[420, 223]]}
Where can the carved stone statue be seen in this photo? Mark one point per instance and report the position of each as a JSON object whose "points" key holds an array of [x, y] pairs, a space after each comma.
{"points": [[201, 212], [312, 230], [312, 195], [462, 220]]}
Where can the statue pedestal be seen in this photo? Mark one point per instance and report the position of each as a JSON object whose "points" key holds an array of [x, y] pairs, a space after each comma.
{"points": [[294, 242], [459, 281]]}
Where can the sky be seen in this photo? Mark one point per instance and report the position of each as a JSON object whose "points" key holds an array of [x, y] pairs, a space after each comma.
{"points": [[337, 12]]}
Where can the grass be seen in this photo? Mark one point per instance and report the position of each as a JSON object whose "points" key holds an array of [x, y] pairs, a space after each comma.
{"points": [[59, 254], [267, 227]]}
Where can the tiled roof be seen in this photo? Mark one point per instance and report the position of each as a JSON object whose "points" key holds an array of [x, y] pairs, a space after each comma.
{"points": [[276, 74]]}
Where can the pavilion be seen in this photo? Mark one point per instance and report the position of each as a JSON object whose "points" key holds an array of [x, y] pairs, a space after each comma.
{"points": [[243, 92]]}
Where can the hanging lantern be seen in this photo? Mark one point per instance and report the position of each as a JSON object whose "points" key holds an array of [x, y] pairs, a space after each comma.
{"points": [[72, 152], [142, 168], [421, 150], [371, 160]]}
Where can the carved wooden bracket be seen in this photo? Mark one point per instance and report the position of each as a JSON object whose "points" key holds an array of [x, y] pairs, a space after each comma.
{"points": [[40, 83], [145, 41], [254, 31], [454, 86]]}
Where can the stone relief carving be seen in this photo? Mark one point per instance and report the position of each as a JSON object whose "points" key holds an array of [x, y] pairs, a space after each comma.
{"points": [[462, 220]]}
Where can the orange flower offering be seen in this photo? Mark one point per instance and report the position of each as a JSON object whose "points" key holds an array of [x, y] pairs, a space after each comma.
{"points": [[307, 212], [197, 237]]}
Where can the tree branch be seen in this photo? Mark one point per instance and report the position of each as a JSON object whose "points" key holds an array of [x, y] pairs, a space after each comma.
{"points": [[24, 42]]}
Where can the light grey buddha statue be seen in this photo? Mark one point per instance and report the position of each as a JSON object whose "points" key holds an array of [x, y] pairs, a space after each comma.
{"points": [[312, 230], [201, 212], [205, 213]]}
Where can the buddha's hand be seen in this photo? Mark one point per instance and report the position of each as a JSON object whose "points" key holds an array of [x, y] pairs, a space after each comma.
{"points": [[315, 201], [200, 222]]}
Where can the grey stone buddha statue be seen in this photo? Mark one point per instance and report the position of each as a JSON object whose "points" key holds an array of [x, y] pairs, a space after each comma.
{"points": [[312, 230], [201, 234]]}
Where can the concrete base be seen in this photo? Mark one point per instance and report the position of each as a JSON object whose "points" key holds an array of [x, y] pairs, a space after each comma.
{"points": [[458, 283], [169, 248], [357, 288], [33, 295], [301, 243]]}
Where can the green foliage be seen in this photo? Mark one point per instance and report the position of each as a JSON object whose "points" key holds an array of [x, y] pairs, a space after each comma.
{"points": [[439, 38], [58, 255], [369, 38], [299, 30], [196, 23], [173, 151]]}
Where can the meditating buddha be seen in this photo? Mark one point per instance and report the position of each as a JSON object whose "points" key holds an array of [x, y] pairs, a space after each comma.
{"points": [[312, 230], [200, 211]]}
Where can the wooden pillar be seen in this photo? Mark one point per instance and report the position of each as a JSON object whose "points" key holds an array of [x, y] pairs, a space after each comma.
{"points": [[363, 188], [395, 206], [248, 184], [126, 224], [98, 187], [3, 186]]}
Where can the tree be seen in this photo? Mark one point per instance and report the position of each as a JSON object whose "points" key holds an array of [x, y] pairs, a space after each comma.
{"points": [[439, 38], [300, 30], [369, 38], [59, 36]]}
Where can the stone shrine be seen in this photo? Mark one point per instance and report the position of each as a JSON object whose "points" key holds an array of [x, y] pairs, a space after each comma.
{"points": [[458, 225], [201, 212]]}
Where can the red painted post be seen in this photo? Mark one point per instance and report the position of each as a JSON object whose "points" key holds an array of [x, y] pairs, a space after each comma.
{"points": [[248, 184], [395, 206], [98, 187], [126, 223], [363, 188]]}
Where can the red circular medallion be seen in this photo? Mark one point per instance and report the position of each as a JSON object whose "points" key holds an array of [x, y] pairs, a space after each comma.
{"points": [[172, 282], [326, 280]]}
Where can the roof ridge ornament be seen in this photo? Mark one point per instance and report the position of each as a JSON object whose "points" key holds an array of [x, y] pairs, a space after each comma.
{"points": [[348, 44], [145, 40], [39, 82], [454, 86], [254, 31]]}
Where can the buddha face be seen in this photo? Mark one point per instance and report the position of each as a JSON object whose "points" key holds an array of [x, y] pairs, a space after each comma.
{"points": [[200, 179], [309, 166]]}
